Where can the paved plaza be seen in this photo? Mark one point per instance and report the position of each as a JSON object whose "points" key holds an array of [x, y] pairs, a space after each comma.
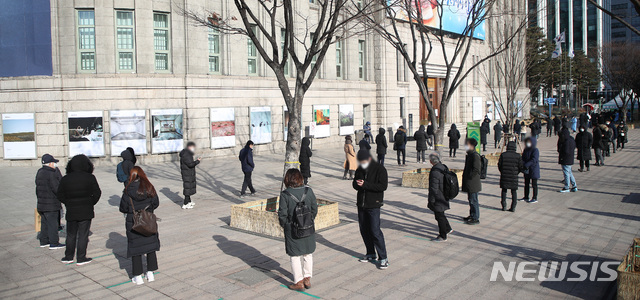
{"points": [[201, 258]]}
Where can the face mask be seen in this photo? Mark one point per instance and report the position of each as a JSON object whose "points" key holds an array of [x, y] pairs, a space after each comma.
{"points": [[192, 149], [364, 165], [529, 145], [469, 148], [581, 129]]}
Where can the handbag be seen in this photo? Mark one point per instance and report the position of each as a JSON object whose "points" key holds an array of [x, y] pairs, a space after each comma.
{"points": [[144, 222]]}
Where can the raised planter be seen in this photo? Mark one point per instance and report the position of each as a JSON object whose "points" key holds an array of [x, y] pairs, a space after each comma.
{"points": [[629, 273], [420, 178], [261, 216], [493, 158]]}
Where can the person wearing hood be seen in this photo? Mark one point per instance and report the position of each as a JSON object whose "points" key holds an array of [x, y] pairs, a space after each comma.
{"points": [[138, 195], [381, 145], [367, 132], [188, 171], [557, 125], [471, 183], [497, 134], [606, 141], [430, 135], [549, 127], [614, 135], [364, 145], [523, 130], [437, 202], [598, 145], [517, 127], [454, 140], [350, 163], [573, 123], [79, 192], [485, 129], [400, 144], [246, 160], [371, 180], [566, 154], [49, 207], [584, 141], [510, 164], [622, 135], [128, 161], [305, 159], [531, 164], [421, 143]]}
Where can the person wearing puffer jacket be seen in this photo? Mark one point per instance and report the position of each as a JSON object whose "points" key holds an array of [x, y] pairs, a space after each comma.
{"points": [[510, 165], [531, 163], [49, 208], [381, 145], [188, 172], [421, 143]]}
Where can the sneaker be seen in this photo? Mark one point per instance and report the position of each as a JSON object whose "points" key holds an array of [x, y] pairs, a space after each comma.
{"points": [[467, 218], [575, 189], [242, 195], [192, 204], [384, 264], [252, 194], [56, 246], [367, 258], [186, 206], [438, 239], [150, 276], [137, 280], [524, 199], [533, 201], [564, 190], [65, 260], [450, 231], [84, 261], [44, 245], [473, 222]]}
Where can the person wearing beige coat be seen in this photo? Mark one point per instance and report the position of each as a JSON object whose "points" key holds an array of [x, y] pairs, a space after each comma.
{"points": [[351, 163]]}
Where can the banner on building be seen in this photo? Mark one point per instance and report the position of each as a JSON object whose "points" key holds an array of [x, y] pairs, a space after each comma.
{"points": [[322, 120], [260, 118], [223, 127], [86, 133], [128, 129], [19, 133], [167, 135], [346, 119], [477, 113]]}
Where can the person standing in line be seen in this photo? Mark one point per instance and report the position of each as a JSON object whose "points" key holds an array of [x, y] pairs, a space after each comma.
{"points": [[497, 134], [471, 183], [188, 173], [598, 145], [606, 130], [364, 145], [531, 164], [79, 192], [622, 135], [557, 125], [430, 135], [437, 202], [371, 180], [367, 132], [566, 153], [350, 162], [300, 250], [421, 143], [549, 127], [246, 161], [381, 145], [573, 123], [614, 135], [534, 129], [510, 164], [138, 195], [584, 140], [128, 161], [400, 144], [523, 130], [305, 159], [485, 129], [517, 128], [454, 140], [49, 207]]}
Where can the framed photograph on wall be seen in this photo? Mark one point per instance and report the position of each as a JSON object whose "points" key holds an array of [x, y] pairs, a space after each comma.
{"points": [[128, 129], [346, 119], [19, 133], [260, 124], [321, 117], [223, 127], [167, 130], [86, 133]]}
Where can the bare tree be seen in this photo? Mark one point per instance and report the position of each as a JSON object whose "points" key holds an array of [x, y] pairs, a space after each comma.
{"points": [[307, 37], [621, 69], [403, 24]]}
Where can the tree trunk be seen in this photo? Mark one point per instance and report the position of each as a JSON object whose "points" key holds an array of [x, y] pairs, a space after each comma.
{"points": [[294, 135]]}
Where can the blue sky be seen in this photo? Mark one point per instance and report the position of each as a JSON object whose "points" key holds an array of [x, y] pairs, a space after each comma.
{"points": [[20, 125]]}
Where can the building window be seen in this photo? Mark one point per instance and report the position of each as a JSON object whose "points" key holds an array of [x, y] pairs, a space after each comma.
{"points": [[161, 44], [214, 50], [125, 41], [401, 65], [283, 34], [362, 69], [86, 41], [252, 53], [339, 59]]}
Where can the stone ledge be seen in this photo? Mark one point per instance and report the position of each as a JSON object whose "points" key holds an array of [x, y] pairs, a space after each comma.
{"points": [[419, 178]]}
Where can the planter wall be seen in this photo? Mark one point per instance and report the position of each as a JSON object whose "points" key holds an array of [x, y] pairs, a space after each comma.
{"points": [[493, 159], [420, 178], [629, 273], [261, 216]]}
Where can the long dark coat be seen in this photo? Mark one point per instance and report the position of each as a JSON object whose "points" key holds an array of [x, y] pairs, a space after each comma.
{"points": [[437, 201], [598, 138], [286, 210], [484, 130], [454, 137], [471, 175], [566, 148], [188, 172], [138, 244], [421, 139], [79, 190], [510, 164], [622, 133], [584, 141], [531, 159], [128, 162], [305, 157], [381, 142], [47, 182], [497, 132]]}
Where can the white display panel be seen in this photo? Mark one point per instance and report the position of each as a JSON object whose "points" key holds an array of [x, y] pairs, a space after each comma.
{"points": [[321, 117], [128, 129], [19, 134], [346, 119], [167, 135], [260, 118], [86, 133], [223, 127]]}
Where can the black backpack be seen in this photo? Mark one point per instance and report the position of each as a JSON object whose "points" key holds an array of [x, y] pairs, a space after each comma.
{"points": [[484, 167], [451, 188], [302, 223]]}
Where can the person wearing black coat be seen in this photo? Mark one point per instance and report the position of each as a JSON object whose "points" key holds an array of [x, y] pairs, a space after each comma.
{"points": [[510, 165], [381, 145], [371, 180], [557, 125], [430, 134], [49, 207], [566, 154], [598, 145], [128, 161], [606, 141], [584, 141], [622, 135], [421, 143], [305, 159], [188, 172], [614, 134], [246, 159], [138, 195], [400, 144], [437, 202], [517, 127], [484, 130], [531, 164], [497, 134], [549, 127], [79, 192], [364, 145], [471, 183], [454, 140]]}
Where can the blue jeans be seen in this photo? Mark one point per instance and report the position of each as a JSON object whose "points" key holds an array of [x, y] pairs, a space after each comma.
{"points": [[474, 206], [369, 221], [568, 177]]}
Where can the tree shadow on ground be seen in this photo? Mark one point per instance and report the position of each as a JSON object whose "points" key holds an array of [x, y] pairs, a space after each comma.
{"points": [[323, 241], [608, 214], [632, 198], [173, 196], [118, 245]]}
